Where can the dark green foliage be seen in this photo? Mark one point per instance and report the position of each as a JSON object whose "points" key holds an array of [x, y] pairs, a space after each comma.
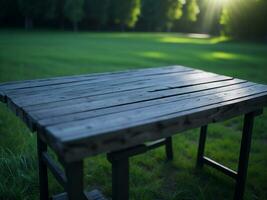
{"points": [[98, 11], [59, 13], [125, 12], [49, 9], [4, 8], [10, 15], [240, 18], [159, 15], [149, 15], [30, 9], [36, 10], [245, 19], [190, 21], [74, 11], [192, 10]]}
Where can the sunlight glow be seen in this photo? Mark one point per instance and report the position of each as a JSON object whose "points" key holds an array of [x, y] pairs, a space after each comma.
{"points": [[214, 8], [221, 1], [224, 55], [188, 39]]}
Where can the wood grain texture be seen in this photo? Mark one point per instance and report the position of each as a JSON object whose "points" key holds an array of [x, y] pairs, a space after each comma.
{"points": [[98, 89], [58, 119], [155, 91], [86, 115], [127, 137], [133, 117], [99, 82], [133, 98], [79, 78]]}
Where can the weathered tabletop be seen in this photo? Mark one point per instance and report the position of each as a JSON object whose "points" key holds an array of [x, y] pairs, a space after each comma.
{"points": [[85, 115]]}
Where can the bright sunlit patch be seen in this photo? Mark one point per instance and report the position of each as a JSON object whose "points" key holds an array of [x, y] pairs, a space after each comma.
{"points": [[219, 55], [194, 39], [227, 56], [197, 35], [214, 8], [184, 40], [224, 55], [153, 54], [216, 40]]}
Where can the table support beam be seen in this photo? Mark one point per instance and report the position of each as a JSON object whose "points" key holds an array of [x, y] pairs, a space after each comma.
{"points": [[55, 170], [120, 165], [120, 179], [244, 156], [43, 178], [74, 174], [71, 180], [241, 174], [201, 146], [168, 148], [220, 167]]}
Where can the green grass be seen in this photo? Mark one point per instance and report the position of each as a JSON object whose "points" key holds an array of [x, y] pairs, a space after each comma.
{"points": [[28, 55]]}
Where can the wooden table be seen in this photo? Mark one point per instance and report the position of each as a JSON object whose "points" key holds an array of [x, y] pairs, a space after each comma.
{"points": [[116, 113]]}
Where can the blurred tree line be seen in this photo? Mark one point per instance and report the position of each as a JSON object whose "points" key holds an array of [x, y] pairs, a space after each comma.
{"points": [[245, 19], [238, 18]]}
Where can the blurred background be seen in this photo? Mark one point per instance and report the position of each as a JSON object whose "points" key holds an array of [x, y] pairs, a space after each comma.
{"points": [[48, 38], [237, 18]]}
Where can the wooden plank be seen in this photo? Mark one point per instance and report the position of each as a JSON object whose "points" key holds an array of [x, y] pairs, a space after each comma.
{"points": [[25, 83], [100, 85], [83, 129], [67, 79], [92, 83], [164, 126], [75, 107], [220, 167], [161, 84], [96, 85], [153, 92], [55, 169], [49, 120], [31, 121], [102, 107]]}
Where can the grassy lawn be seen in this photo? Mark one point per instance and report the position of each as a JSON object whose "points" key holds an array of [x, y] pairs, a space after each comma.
{"points": [[45, 54]]}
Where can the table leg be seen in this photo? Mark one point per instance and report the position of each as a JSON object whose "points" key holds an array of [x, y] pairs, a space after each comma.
{"points": [[168, 148], [201, 146], [74, 174], [120, 165], [43, 178], [120, 179], [244, 156]]}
